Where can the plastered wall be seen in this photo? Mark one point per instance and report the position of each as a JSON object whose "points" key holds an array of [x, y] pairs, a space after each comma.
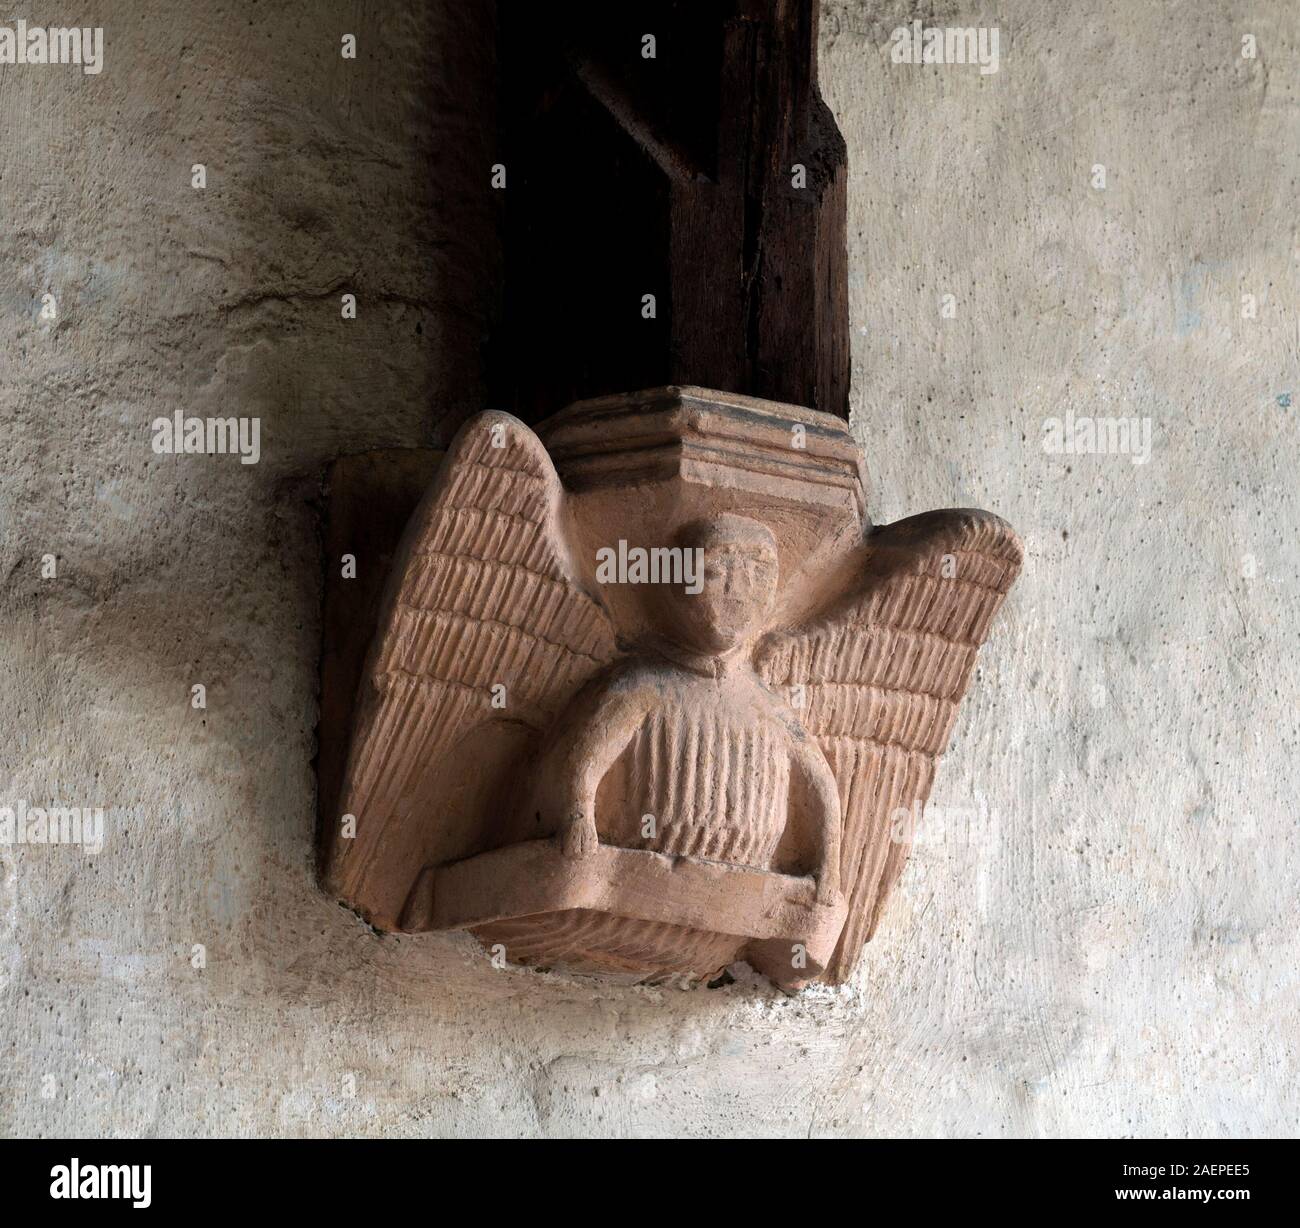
{"points": [[1098, 932]]}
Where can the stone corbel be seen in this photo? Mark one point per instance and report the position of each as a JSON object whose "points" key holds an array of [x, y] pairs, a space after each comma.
{"points": [[645, 687]]}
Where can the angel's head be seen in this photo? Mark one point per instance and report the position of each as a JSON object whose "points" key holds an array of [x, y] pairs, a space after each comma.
{"points": [[738, 558]]}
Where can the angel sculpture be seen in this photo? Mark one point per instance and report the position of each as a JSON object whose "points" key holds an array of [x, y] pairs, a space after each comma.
{"points": [[660, 784]]}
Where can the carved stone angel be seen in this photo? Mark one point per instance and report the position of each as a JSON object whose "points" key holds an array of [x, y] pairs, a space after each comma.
{"points": [[643, 780]]}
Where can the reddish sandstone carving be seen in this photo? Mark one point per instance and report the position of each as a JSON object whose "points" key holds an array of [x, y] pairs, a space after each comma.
{"points": [[576, 746]]}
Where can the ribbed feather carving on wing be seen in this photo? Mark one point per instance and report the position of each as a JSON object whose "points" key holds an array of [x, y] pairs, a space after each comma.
{"points": [[482, 594], [883, 672]]}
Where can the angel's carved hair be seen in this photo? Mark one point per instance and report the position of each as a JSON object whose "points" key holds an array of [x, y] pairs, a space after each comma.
{"points": [[727, 531]]}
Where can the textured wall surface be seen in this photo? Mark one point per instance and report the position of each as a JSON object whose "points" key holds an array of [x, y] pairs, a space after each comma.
{"points": [[1110, 947]]}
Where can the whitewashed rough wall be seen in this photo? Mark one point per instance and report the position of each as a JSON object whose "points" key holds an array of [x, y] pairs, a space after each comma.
{"points": [[1115, 952]]}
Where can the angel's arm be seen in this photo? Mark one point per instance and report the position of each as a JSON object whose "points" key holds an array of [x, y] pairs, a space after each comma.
{"points": [[815, 773], [597, 729]]}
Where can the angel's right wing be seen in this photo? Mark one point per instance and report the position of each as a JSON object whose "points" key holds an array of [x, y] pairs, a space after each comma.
{"points": [[484, 636], [882, 673]]}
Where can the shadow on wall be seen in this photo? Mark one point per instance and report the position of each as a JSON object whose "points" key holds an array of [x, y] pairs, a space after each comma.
{"points": [[248, 179], [374, 183]]}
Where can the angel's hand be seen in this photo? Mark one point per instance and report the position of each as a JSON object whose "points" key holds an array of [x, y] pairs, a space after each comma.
{"points": [[578, 836], [828, 885]]}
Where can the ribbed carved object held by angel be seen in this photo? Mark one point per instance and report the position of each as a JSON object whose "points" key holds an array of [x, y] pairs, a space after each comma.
{"points": [[655, 780]]}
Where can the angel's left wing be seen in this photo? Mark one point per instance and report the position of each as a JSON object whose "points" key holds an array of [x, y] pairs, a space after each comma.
{"points": [[882, 674], [485, 635]]}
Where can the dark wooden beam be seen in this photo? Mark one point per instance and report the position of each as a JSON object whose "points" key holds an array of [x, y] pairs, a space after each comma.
{"points": [[673, 175]]}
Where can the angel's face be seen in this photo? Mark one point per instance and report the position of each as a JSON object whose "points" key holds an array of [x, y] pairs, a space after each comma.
{"points": [[739, 575]]}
